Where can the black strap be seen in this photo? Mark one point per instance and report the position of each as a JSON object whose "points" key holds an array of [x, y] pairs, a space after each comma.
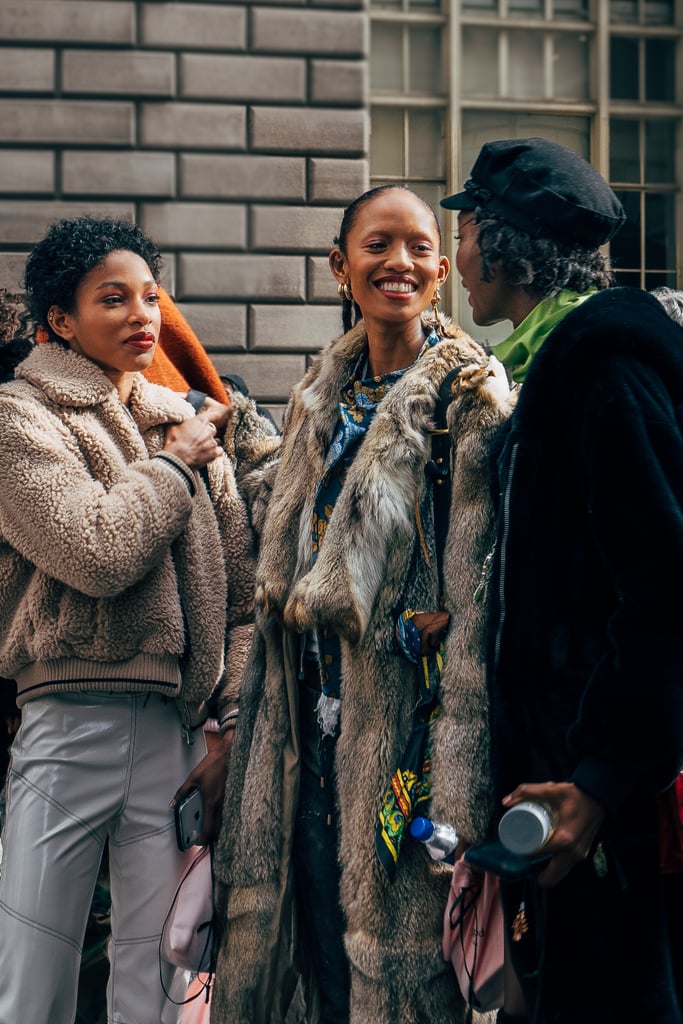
{"points": [[438, 469]]}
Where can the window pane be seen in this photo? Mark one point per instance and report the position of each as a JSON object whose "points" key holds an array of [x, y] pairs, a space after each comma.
{"points": [[625, 246], [570, 67], [660, 80], [660, 151], [624, 162], [623, 69], [526, 65], [384, 5], [660, 279], [479, 62], [570, 9], [480, 6], [386, 142], [626, 278], [425, 60], [425, 137], [421, 5], [525, 8], [386, 66], [623, 12], [659, 231], [659, 12]]}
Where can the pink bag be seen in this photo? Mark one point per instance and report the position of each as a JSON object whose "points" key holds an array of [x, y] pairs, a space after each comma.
{"points": [[187, 933], [473, 937]]}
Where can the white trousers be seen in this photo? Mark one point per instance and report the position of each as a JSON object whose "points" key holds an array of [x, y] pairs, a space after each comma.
{"points": [[86, 767]]}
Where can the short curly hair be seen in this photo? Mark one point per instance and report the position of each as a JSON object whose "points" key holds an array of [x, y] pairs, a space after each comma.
{"points": [[542, 266], [71, 249]]}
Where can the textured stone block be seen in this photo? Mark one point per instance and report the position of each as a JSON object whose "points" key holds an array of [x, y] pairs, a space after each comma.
{"points": [[23, 69], [315, 32], [132, 173], [25, 221], [71, 21], [243, 177], [194, 26], [241, 277], [322, 285], [196, 225], [66, 121], [248, 78], [277, 228], [220, 326], [12, 270], [311, 131], [299, 328], [269, 378], [339, 81], [193, 126], [27, 170], [118, 72], [337, 181]]}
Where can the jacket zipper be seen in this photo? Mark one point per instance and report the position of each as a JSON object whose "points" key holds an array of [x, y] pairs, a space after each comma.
{"points": [[503, 553]]}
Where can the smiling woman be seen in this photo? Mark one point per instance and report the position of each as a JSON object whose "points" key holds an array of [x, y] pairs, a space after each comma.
{"points": [[118, 619], [353, 717]]}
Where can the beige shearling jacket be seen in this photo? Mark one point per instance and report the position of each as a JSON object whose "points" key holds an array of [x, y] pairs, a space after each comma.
{"points": [[117, 569]]}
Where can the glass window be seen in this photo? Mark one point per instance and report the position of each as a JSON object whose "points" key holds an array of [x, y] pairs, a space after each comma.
{"points": [[625, 246], [386, 66], [386, 142], [570, 66], [660, 79], [526, 77], [624, 151], [426, 157], [623, 69], [659, 220], [425, 61], [525, 8], [660, 151], [480, 62], [570, 9]]}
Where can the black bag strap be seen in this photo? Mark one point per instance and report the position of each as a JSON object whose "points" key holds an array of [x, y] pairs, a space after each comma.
{"points": [[438, 469]]}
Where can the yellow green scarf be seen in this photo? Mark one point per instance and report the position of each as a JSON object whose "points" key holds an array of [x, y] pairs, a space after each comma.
{"points": [[520, 348]]}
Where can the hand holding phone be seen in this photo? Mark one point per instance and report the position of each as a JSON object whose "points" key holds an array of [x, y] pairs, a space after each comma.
{"points": [[189, 819]]}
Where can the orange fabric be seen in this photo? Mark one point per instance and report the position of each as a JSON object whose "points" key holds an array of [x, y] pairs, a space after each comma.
{"points": [[180, 361]]}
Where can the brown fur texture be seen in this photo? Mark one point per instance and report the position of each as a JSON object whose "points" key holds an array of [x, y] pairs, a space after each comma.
{"points": [[370, 562]]}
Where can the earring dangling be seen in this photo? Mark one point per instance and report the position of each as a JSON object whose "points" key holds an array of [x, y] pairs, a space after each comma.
{"points": [[344, 291], [436, 299]]}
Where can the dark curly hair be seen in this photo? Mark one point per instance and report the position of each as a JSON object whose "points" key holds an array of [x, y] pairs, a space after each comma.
{"points": [[351, 312], [71, 249], [541, 266]]}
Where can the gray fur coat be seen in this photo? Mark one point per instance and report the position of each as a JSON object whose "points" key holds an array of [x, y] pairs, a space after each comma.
{"points": [[374, 559]]}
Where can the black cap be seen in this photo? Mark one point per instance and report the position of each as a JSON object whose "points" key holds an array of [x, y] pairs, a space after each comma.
{"points": [[544, 189]]}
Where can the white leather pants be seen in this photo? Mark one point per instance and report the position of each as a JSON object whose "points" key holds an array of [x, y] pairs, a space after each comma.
{"points": [[86, 767]]}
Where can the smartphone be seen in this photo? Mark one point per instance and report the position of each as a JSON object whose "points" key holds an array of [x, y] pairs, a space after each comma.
{"points": [[189, 819], [492, 856]]}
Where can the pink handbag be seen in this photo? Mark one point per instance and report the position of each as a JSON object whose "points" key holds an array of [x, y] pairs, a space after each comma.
{"points": [[187, 933], [473, 936]]}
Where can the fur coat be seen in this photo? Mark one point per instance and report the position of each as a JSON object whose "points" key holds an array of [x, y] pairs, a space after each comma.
{"points": [[375, 557]]}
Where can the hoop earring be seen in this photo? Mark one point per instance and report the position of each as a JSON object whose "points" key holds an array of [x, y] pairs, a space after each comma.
{"points": [[344, 291]]}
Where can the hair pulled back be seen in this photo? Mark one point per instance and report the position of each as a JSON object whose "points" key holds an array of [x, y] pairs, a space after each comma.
{"points": [[351, 311], [71, 249], [542, 266]]}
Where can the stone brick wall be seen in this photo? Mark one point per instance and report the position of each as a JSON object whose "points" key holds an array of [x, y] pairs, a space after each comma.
{"points": [[233, 133]]}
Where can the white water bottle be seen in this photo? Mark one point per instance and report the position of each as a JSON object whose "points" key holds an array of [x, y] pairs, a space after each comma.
{"points": [[526, 827], [439, 838]]}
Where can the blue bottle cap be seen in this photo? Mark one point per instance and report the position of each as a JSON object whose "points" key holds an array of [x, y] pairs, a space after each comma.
{"points": [[421, 828]]}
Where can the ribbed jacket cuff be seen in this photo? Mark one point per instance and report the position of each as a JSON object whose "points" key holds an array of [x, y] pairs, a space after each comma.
{"points": [[180, 468]]}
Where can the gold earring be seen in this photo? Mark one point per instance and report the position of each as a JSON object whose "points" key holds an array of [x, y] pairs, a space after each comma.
{"points": [[344, 291], [436, 299]]}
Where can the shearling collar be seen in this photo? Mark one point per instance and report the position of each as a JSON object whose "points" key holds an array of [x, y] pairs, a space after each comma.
{"points": [[71, 380]]}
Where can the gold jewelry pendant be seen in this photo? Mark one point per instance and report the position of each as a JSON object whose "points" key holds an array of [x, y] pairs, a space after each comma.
{"points": [[520, 925]]}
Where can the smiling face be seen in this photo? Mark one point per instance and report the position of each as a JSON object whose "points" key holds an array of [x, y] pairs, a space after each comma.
{"points": [[116, 319], [391, 258], [491, 301]]}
